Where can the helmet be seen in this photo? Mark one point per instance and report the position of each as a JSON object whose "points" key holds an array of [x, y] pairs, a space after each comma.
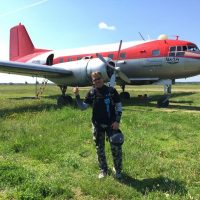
{"points": [[116, 138]]}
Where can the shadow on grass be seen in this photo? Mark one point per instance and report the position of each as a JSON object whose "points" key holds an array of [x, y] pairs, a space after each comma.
{"points": [[22, 98], [151, 102], [34, 97], [34, 108], [23, 109], [39, 107], [161, 184]]}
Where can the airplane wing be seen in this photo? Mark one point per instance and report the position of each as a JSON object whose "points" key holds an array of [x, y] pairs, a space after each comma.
{"points": [[32, 69]]}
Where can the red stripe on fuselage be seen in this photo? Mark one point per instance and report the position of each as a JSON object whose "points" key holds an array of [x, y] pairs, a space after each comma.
{"points": [[31, 56], [143, 50], [135, 52]]}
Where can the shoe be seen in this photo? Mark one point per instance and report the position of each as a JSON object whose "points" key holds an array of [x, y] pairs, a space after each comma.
{"points": [[118, 175], [114, 170], [102, 174]]}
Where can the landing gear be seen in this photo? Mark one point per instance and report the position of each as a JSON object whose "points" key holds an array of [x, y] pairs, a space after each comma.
{"points": [[163, 102], [123, 94], [64, 99]]}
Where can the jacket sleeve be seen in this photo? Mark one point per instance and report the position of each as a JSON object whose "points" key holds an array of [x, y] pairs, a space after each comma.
{"points": [[118, 106], [82, 105], [118, 111]]}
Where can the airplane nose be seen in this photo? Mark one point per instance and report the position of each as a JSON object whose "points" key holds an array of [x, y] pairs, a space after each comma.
{"points": [[191, 54], [191, 63]]}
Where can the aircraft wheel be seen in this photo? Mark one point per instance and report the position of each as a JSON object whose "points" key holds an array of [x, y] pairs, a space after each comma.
{"points": [[64, 100], [124, 95], [162, 102]]}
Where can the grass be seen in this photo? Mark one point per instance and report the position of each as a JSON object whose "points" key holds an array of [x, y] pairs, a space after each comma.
{"points": [[47, 152]]}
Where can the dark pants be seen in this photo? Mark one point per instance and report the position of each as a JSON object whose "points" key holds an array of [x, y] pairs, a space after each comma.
{"points": [[100, 132]]}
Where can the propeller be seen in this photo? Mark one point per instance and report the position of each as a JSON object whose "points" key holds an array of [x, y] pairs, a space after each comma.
{"points": [[104, 61], [113, 77], [116, 69]]}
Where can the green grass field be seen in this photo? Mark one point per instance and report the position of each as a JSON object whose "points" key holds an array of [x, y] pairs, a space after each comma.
{"points": [[47, 152]]}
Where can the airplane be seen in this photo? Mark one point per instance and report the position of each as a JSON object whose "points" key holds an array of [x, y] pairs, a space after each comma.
{"points": [[144, 62]]}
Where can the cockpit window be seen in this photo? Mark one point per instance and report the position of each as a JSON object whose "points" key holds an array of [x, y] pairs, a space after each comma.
{"points": [[193, 48], [179, 48], [172, 49], [184, 48]]}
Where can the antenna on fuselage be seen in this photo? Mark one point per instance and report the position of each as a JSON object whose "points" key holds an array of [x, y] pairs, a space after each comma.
{"points": [[177, 37], [141, 36]]}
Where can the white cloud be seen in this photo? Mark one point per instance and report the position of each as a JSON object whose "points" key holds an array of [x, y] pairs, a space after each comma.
{"points": [[103, 25]]}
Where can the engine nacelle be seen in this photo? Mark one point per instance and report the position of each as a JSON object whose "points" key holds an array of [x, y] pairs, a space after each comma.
{"points": [[81, 71]]}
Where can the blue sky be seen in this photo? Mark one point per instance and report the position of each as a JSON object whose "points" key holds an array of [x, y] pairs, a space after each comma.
{"points": [[61, 24]]}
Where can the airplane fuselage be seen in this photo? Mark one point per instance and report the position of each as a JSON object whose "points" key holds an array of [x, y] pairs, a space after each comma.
{"points": [[142, 60]]}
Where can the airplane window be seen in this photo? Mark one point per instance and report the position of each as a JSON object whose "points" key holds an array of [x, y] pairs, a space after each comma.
{"points": [[61, 60], [123, 55], [69, 59], [78, 58], [172, 54], [110, 56], [172, 48], [100, 54], [193, 48], [179, 48], [184, 48], [156, 52]]}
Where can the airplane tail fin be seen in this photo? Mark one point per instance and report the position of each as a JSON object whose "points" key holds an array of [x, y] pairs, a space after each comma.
{"points": [[21, 44]]}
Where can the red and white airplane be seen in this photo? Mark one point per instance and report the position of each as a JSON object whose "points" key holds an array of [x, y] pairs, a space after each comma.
{"points": [[158, 61]]}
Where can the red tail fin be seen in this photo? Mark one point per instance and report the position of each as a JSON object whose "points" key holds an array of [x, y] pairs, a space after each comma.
{"points": [[20, 42]]}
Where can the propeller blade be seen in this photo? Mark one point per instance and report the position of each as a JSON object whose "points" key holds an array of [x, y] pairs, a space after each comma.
{"points": [[112, 80], [118, 54], [123, 77], [116, 70], [104, 61]]}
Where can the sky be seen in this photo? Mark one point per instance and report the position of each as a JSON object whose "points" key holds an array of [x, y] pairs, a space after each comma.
{"points": [[63, 24]]}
